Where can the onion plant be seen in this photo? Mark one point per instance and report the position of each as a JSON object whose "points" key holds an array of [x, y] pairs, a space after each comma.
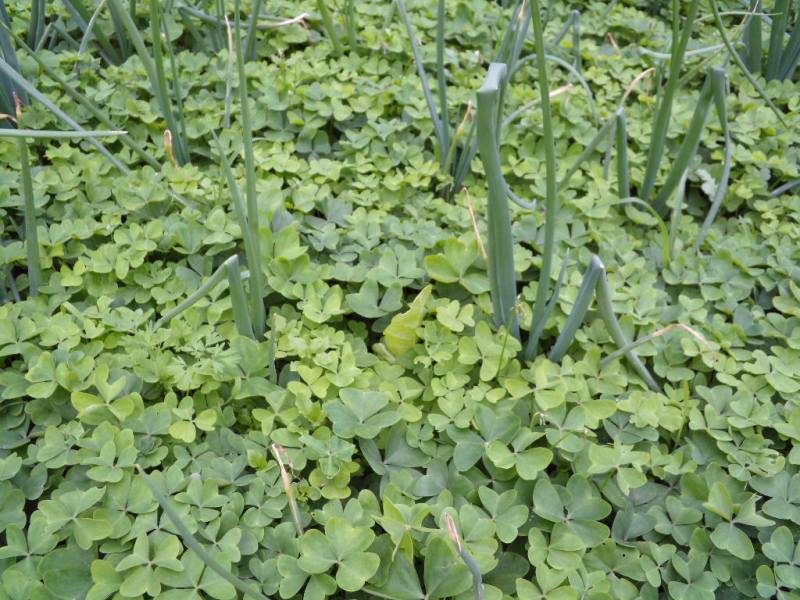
{"points": [[29, 212], [502, 279], [32, 92], [715, 85], [454, 158], [250, 317], [217, 277], [573, 23], [502, 276], [737, 58], [154, 67], [680, 41], [113, 52], [713, 92], [783, 40], [595, 284], [328, 24], [26, 190], [36, 24], [8, 88], [249, 589]]}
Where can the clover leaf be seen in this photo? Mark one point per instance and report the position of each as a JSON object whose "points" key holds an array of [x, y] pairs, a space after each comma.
{"points": [[345, 547], [507, 514], [360, 413], [726, 535], [139, 568]]}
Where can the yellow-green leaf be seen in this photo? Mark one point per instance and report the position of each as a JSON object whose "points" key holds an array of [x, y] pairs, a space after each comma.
{"points": [[401, 334]]}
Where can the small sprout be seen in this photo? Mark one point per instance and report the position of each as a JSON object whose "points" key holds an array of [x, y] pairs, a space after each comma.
{"points": [[453, 532], [468, 559], [168, 147]]}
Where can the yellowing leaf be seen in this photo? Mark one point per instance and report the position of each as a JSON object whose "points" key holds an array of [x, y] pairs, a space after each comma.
{"points": [[183, 430], [401, 334]]}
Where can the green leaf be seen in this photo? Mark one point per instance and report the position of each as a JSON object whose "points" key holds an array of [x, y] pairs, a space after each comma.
{"points": [[317, 552], [533, 461], [354, 571], [444, 573], [106, 580], [726, 536], [547, 502], [720, 501], [401, 334], [183, 430]]}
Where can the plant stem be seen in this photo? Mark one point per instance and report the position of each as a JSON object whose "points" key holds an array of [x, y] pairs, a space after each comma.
{"points": [[191, 542], [330, 28], [256, 285], [752, 39], [606, 309], [664, 112], [54, 134], [29, 210], [250, 47], [240, 313], [719, 90], [739, 63], [215, 279], [551, 173], [502, 277], [623, 170], [689, 146], [579, 310], [438, 126], [774, 55], [441, 82]]}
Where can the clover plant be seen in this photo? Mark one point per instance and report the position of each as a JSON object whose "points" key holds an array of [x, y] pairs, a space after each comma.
{"points": [[327, 357]]}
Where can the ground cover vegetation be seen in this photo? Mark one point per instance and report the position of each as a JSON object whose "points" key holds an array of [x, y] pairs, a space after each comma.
{"points": [[399, 299]]}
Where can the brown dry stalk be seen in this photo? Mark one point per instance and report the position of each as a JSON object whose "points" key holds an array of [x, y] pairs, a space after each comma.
{"points": [[17, 106], [283, 459], [476, 231], [693, 332], [661, 332], [299, 20], [564, 89], [467, 115], [634, 83], [230, 34], [613, 41]]}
